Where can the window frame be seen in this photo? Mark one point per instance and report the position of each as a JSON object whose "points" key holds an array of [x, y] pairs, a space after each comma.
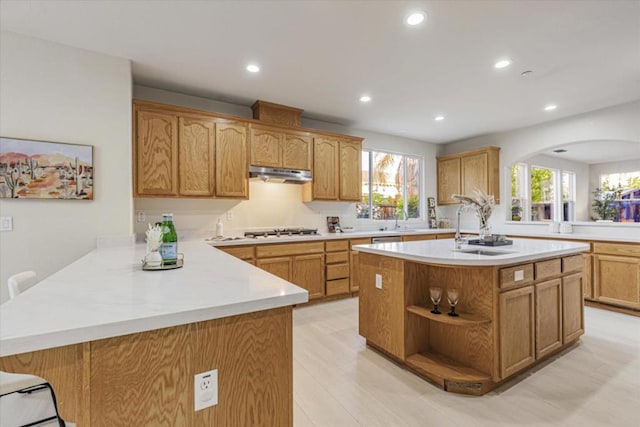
{"points": [[421, 184]]}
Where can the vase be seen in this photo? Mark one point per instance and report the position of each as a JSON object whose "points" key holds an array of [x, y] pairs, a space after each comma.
{"points": [[485, 231]]}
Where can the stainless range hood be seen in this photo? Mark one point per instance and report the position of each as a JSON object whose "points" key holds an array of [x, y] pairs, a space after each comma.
{"points": [[288, 176]]}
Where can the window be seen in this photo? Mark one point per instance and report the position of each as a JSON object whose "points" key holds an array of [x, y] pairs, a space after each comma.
{"points": [[388, 180], [618, 197], [542, 194]]}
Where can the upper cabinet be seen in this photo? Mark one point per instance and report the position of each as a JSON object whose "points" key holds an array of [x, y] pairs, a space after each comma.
{"points": [[181, 154], [271, 147], [465, 172], [336, 170]]}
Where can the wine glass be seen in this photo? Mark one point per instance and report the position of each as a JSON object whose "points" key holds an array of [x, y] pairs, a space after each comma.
{"points": [[453, 295], [436, 295]]}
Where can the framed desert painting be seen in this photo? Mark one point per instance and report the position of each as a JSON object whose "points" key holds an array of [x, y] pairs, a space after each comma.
{"points": [[45, 170]]}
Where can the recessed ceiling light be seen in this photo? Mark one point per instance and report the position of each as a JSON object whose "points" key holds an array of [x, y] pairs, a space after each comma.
{"points": [[550, 107], [365, 98], [253, 68], [439, 118], [503, 63], [416, 18]]}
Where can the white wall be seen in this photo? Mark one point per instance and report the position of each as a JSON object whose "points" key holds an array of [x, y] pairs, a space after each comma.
{"points": [[270, 205], [619, 123], [58, 93], [597, 169]]}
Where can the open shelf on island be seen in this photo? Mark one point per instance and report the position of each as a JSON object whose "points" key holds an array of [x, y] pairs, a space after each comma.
{"points": [[441, 369], [464, 319]]}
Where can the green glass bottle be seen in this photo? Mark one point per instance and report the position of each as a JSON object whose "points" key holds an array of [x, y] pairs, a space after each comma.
{"points": [[169, 247]]}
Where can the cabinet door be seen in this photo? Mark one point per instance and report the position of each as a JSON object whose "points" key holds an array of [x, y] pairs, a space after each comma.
{"points": [[296, 152], [587, 276], [474, 173], [448, 180], [308, 273], [266, 147], [280, 267], [325, 168], [156, 153], [350, 171], [517, 330], [195, 160], [617, 280], [573, 307], [354, 274], [231, 161], [548, 317]]}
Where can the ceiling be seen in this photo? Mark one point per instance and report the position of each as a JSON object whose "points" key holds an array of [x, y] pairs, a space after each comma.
{"points": [[321, 56], [593, 152]]}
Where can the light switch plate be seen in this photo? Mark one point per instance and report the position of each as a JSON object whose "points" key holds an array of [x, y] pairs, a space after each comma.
{"points": [[141, 217], [6, 223], [205, 387], [379, 281]]}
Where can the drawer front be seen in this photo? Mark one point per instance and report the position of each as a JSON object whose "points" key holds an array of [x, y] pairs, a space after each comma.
{"points": [[364, 241], [572, 263], [268, 251], [446, 236], [518, 275], [549, 268], [414, 237], [337, 287], [337, 245], [617, 249], [244, 252], [337, 257], [337, 271]]}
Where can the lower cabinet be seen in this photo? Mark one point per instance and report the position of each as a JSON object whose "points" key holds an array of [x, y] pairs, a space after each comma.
{"points": [[308, 273], [549, 330], [617, 280], [280, 267], [572, 307], [517, 330]]}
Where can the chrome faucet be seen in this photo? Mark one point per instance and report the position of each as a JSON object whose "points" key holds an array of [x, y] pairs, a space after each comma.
{"points": [[458, 237], [405, 215]]}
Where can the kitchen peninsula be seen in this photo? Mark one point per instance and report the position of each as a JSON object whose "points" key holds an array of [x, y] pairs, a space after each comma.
{"points": [[518, 305], [120, 344]]}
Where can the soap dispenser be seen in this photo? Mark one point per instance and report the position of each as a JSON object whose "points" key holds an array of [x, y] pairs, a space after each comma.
{"points": [[219, 232]]}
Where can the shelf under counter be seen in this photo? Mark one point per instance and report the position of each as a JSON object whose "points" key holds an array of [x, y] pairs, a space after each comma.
{"points": [[449, 374], [463, 319]]}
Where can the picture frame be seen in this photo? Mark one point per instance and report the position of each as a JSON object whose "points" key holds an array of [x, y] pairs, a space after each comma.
{"points": [[34, 169]]}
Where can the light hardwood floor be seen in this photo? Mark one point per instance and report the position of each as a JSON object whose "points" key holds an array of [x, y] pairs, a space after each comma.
{"points": [[338, 381]]}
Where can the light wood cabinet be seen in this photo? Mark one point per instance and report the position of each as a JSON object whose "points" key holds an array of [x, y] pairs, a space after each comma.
{"points": [[156, 153], [549, 335], [350, 171], [196, 157], [517, 330], [573, 307], [280, 267], [308, 273], [273, 147], [617, 280], [417, 237], [337, 170], [232, 173], [463, 173]]}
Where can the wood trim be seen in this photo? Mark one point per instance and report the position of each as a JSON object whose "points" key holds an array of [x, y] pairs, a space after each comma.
{"points": [[469, 152], [284, 249], [614, 308]]}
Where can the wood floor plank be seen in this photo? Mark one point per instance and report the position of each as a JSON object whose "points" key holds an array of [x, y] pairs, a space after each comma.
{"points": [[338, 381]]}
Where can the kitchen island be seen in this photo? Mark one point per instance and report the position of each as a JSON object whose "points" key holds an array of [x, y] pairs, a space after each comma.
{"points": [[121, 345], [519, 304]]}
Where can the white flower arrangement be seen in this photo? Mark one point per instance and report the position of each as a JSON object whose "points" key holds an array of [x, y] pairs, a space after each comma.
{"points": [[154, 237], [482, 204]]}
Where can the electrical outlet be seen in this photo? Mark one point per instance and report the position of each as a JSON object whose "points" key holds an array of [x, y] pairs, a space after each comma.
{"points": [[6, 223], [141, 216], [205, 389], [379, 281], [229, 215]]}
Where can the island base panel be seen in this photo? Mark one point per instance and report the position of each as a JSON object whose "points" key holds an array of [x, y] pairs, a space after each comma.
{"points": [[146, 379]]}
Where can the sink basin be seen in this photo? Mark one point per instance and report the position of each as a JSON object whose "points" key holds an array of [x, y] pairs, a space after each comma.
{"points": [[483, 252]]}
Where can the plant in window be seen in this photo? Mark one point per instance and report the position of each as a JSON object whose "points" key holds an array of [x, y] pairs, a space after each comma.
{"points": [[516, 210], [604, 206]]}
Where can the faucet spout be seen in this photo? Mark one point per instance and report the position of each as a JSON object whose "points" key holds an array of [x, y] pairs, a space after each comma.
{"points": [[458, 237]]}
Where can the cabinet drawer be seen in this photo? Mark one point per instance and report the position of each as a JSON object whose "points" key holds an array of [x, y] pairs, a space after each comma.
{"points": [[337, 271], [518, 275], [337, 257], [546, 269], [617, 249], [416, 237], [244, 252], [337, 245], [446, 236], [268, 251], [363, 241], [336, 287], [572, 263]]}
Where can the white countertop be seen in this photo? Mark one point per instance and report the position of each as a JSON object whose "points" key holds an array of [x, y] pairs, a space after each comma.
{"points": [[329, 236], [106, 293], [633, 236], [442, 251]]}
